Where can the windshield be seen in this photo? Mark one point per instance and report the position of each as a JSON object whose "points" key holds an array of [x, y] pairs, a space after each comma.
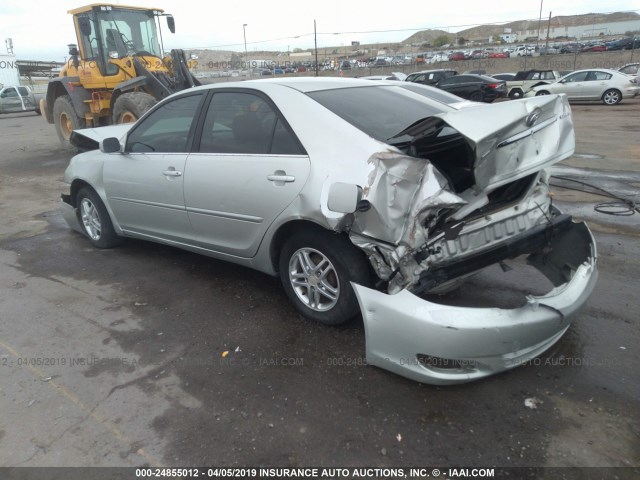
{"points": [[128, 31], [381, 111]]}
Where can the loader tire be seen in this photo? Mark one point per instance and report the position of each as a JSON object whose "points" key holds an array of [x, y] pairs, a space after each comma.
{"points": [[65, 119], [129, 107]]}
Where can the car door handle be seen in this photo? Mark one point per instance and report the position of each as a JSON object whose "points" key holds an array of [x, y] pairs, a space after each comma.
{"points": [[172, 173], [281, 177]]}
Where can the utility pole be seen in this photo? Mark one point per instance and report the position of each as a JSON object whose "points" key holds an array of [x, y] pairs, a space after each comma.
{"points": [[546, 44], [538, 36], [244, 32], [315, 41]]}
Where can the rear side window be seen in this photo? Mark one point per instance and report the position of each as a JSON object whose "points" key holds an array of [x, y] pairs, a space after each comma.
{"points": [[244, 123], [599, 76], [577, 77], [380, 112]]}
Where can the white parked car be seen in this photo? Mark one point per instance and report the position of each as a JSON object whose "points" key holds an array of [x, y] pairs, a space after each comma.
{"points": [[523, 51], [361, 196], [608, 86], [439, 57]]}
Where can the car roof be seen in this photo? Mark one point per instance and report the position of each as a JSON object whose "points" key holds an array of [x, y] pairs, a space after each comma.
{"points": [[434, 70], [302, 84], [608, 70]]}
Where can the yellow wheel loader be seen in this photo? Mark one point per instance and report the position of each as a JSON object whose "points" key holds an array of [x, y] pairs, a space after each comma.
{"points": [[116, 71]]}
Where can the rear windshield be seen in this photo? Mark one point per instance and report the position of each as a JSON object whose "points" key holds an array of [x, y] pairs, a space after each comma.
{"points": [[379, 111], [23, 91]]}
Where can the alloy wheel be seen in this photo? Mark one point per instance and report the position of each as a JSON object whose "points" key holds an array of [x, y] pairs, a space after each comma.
{"points": [[611, 97], [314, 279], [90, 219]]}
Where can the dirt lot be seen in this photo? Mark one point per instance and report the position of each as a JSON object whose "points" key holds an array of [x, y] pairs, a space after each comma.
{"points": [[115, 357]]}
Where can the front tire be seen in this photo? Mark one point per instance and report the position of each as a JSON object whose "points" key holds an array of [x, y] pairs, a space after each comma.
{"points": [[94, 219], [65, 118], [129, 107], [542, 92], [611, 97], [316, 268]]}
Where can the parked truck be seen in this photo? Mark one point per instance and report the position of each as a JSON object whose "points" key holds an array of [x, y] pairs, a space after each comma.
{"points": [[116, 70], [527, 79]]}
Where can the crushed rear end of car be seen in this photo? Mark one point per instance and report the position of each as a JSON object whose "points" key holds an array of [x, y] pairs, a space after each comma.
{"points": [[459, 192]]}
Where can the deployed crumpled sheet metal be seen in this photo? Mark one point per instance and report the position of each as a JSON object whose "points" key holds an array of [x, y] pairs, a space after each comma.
{"points": [[439, 344]]}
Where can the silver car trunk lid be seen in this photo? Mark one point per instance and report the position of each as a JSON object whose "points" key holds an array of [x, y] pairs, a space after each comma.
{"points": [[511, 139]]}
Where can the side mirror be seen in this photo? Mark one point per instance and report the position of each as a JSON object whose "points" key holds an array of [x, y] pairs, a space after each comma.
{"points": [[85, 26], [110, 145], [344, 197], [171, 23]]}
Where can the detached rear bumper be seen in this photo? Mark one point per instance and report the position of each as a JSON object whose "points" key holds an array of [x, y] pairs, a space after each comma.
{"points": [[439, 344]]}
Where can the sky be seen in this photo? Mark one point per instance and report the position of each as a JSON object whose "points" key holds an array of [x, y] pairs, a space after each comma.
{"points": [[41, 30]]}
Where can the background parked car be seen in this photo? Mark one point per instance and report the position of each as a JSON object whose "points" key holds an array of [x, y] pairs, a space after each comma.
{"points": [[439, 57], [624, 44], [399, 76], [571, 48], [609, 86], [380, 62], [527, 79], [456, 56], [523, 51], [598, 47], [17, 99], [478, 88], [430, 77], [550, 50], [504, 76], [630, 69]]}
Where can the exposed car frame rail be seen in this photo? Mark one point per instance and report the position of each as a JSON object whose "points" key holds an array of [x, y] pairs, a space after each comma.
{"points": [[531, 241]]}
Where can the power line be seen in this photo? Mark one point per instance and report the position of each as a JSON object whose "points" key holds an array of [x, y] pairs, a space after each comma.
{"points": [[414, 29]]}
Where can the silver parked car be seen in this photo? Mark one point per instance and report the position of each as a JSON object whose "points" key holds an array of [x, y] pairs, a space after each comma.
{"points": [[15, 99], [362, 196], [608, 86]]}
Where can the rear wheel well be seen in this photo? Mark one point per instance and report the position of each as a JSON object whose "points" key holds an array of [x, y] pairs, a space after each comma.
{"points": [[287, 230]]}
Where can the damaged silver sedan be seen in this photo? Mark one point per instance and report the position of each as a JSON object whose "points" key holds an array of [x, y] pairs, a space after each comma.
{"points": [[364, 197]]}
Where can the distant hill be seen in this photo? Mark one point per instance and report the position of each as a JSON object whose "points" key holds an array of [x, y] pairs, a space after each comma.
{"points": [[427, 36], [486, 31]]}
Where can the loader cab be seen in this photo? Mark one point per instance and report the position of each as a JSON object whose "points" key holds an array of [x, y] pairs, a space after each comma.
{"points": [[109, 34]]}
